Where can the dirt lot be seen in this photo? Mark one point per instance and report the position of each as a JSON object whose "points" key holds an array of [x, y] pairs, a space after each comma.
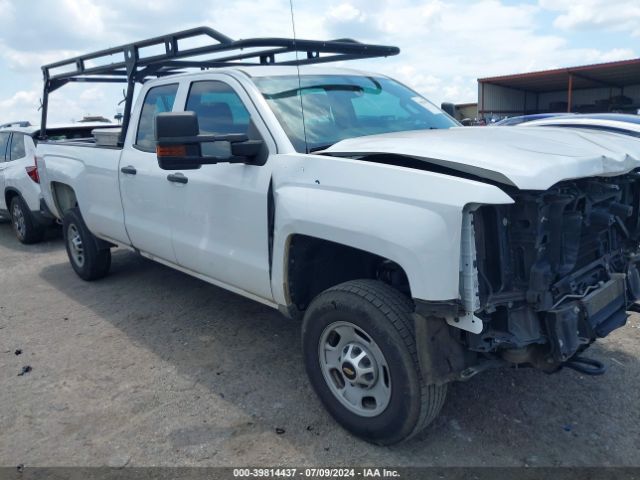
{"points": [[152, 367]]}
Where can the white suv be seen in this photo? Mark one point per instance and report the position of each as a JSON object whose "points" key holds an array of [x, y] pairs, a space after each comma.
{"points": [[20, 198]]}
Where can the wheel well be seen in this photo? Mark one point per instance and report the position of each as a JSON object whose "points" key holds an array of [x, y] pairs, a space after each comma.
{"points": [[64, 197], [314, 264], [9, 195]]}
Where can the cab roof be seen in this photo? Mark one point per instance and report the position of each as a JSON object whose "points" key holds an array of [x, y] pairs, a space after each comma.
{"points": [[285, 71], [275, 71]]}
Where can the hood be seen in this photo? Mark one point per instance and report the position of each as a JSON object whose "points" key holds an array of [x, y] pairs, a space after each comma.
{"points": [[529, 159]]}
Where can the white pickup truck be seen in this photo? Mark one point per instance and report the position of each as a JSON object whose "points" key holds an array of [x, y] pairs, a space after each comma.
{"points": [[417, 252]]}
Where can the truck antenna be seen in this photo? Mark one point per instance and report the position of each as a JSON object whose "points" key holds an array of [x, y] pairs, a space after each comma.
{"points": [[304, 125]]}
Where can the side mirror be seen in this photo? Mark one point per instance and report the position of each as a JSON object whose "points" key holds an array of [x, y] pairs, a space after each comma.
{"points": [[449, 108], [179, 144]]}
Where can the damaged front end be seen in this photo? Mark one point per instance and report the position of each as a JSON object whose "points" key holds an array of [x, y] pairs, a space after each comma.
{"points": [[553, 271]]}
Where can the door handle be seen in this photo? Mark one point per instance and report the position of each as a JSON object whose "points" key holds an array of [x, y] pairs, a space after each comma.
{"points": [[129, 170], [177, 178]]}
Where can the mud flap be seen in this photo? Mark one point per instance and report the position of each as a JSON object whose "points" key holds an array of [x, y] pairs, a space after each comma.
{"points": [[441, 357]]}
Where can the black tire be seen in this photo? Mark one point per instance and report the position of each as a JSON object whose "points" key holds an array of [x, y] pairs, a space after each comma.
{"points": [[24, 225], [95, 262], [383, 314]]}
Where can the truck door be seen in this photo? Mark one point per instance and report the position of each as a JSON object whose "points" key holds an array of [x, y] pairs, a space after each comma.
{"points": [[143, 185], [220, 226], [4, 142]]}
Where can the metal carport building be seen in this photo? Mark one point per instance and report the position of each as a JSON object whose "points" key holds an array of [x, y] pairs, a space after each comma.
{"points": [[604, 87]]}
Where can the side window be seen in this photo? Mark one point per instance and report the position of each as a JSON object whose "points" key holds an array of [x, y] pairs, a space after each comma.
{"points": [[16, 150], [158, 100], [219, 108], [4, 140]]}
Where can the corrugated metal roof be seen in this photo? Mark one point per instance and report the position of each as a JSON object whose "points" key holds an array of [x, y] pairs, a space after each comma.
{"points": [[614, 74]]}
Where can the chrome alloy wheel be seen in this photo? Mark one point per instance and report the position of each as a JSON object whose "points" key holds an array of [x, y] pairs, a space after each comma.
{"points": [[76, 249], [19, 224], [355, 369]]}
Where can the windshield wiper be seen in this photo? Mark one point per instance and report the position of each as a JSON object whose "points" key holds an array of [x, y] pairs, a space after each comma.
{"points": [[327, 88]]}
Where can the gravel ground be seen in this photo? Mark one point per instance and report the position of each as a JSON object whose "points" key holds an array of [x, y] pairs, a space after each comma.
{"points": [[152, 367]]}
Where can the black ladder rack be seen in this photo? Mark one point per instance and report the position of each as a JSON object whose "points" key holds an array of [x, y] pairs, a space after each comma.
{"points": [[132, 66]]}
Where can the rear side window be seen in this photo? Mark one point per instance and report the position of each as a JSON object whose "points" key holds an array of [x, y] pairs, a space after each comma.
{"points": [[16, 150], [4, 141], [158, 100]]}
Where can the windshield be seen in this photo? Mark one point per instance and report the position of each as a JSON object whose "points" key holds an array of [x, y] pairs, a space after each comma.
{"points": [[337, 107]]}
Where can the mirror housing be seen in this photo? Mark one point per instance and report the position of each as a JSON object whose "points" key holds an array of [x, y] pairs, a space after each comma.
{"points": [[449, 108], [179, 144], [178, 124]]}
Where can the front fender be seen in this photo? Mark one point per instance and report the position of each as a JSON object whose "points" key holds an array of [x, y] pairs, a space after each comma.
{"points": [[411, 217]]}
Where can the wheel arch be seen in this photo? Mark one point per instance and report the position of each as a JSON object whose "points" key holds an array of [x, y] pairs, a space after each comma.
{"points": [[314, 264], [9, 194], [64, 197]]}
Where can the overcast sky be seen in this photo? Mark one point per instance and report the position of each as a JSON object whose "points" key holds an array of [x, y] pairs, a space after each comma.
{"points": [[446, 45]]}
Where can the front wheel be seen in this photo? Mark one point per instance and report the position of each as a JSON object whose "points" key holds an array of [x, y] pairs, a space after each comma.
{"points": [[87, 260], [360, 354]]}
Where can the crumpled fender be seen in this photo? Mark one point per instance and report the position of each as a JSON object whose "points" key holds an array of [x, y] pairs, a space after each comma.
{"points": [[411, 217]]}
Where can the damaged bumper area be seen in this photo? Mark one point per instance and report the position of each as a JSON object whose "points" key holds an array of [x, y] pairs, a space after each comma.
{"points": [[555, 270]]}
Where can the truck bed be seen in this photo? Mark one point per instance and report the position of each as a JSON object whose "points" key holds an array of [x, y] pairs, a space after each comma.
{"points": [[94, 177]]}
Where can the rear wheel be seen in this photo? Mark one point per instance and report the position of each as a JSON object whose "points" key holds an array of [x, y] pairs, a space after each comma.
{"points": [[25, 227], [87, 260], [360, 354]]}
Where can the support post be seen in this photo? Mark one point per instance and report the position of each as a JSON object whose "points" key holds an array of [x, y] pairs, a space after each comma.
{"points": [[45, 108], [570, 95], [482, 101], [45, 104], [131, 61], [126, 115]]}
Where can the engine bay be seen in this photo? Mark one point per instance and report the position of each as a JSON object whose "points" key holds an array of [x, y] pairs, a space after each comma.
{"points": [[557, 269]]}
